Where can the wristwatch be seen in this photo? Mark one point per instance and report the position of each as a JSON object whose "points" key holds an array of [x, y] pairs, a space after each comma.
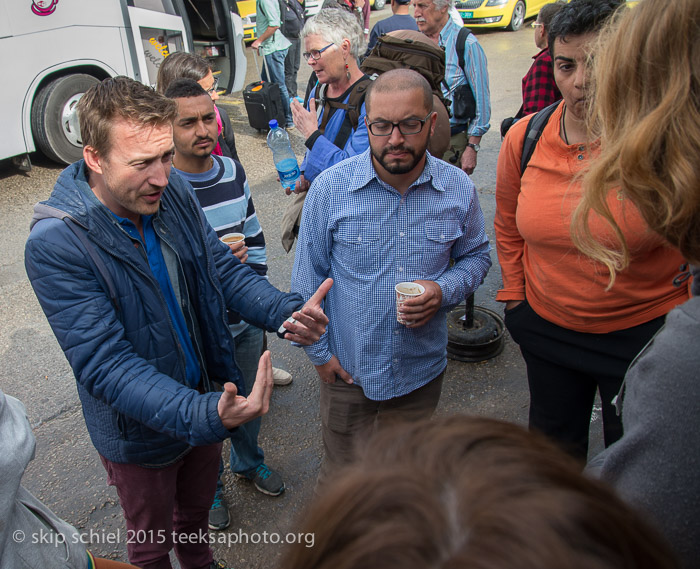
{"points": [[476, 147]]}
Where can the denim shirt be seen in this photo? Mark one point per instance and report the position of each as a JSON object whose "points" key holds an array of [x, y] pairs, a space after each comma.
{"points": [[368, 237]]}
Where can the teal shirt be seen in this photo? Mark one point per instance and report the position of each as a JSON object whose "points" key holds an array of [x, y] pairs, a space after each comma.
{"points": [[267, 13]]}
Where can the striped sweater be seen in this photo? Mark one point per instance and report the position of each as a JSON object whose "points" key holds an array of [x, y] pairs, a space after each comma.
{"points": [[224, 195]]}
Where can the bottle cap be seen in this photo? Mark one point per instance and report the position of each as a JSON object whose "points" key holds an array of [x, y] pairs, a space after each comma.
{"points": [[273, 124]]}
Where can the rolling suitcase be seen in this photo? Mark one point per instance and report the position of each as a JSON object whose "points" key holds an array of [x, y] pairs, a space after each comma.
{"points": [[263, 102]]}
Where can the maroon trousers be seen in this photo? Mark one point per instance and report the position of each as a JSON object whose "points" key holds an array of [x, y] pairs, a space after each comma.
{"points": [[168, 507]]}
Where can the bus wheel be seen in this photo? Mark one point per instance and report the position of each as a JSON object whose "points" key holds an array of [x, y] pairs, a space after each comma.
{"points": [[55, 120]]}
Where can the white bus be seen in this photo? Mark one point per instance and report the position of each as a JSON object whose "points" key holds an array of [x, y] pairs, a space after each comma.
{"points": [[52, 51]]}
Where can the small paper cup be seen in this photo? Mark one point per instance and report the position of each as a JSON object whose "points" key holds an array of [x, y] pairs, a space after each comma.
{"points": [[403, 291], [232, 238]]}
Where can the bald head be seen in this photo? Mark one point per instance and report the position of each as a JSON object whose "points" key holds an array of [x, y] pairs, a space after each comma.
{"points": [[398, 80]]}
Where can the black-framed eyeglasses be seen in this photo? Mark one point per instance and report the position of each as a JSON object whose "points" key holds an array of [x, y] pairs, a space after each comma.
{"points": [[315, 54], [214, 86], [406, 126]]}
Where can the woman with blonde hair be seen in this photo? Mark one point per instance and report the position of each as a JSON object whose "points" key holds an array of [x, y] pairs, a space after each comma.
{"points": [[647, 112]]}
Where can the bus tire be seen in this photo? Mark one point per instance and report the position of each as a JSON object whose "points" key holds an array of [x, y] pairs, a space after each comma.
{"points": [[55, 120]]}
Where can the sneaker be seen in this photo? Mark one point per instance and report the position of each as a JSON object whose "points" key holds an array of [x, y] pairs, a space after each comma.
{"points": [[266, 481], [218, 513], [218, 565], [281, 377]]}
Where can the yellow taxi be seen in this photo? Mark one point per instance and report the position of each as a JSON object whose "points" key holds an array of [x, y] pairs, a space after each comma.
{"points": [[246, 9], [509, 14]]}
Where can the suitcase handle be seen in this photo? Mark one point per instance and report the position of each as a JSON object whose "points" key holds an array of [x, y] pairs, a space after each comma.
{"points": [[257, 68]]}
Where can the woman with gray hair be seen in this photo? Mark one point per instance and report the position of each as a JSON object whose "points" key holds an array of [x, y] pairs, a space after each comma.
{"points": [[333, 124]]}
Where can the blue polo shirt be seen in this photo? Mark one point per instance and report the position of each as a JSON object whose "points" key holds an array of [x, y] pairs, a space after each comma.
{"points": [[151, 244]]}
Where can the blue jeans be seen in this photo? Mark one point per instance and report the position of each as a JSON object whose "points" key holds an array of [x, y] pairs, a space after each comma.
{"points": [[275, 65], [246, 455]]}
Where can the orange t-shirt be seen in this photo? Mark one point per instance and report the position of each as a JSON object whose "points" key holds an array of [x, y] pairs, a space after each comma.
{"points": [[538, 259]]}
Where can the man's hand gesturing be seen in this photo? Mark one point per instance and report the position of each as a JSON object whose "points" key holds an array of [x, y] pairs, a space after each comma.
{"points": [[234, 409], [310, 322]]}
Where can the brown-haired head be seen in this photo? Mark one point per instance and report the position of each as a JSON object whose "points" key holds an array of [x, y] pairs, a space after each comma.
{"points": [[646, 109], [120, 98], [181, 65], [473, 493]]}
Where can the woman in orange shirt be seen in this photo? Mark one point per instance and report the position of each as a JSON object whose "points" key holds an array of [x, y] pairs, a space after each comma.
{"points": [[575, 335]]}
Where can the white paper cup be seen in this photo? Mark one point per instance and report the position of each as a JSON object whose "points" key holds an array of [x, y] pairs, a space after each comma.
{"points": [[232, 238], [403, 291]]}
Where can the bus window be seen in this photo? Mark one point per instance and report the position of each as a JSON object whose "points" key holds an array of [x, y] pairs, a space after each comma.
{"points": [[164, 6], [157, 45]]}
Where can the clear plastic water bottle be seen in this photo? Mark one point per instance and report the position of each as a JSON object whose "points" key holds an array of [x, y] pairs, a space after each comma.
{"points": [[283, 155]]}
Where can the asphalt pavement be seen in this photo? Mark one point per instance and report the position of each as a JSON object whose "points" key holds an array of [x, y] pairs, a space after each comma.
{"points": [[67, 473]]}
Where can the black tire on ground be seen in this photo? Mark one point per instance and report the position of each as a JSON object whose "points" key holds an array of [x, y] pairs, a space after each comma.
{"points": [[379, 4], [516, 22], [54, 120], [483, 341]]}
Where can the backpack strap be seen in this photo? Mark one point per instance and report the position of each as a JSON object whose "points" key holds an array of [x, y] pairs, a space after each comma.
{"points": [[533, 131], [281, 6], [461, 40], [44, 211], [99, 263], [319, 94], [352, 115], [352, 110]]}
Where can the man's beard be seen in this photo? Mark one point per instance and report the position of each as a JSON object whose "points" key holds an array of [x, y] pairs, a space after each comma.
{"points": [[398, 167]]}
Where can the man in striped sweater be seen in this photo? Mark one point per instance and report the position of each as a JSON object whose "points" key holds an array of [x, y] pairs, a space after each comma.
{"points": [[221, 187]]}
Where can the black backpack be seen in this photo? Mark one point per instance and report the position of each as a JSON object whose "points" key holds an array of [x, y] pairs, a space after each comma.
{"points": [[533, 131], [291, 17], [464, 102]]}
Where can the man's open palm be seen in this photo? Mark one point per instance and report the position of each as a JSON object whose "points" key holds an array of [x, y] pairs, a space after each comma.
{"points": [[234, 409]]}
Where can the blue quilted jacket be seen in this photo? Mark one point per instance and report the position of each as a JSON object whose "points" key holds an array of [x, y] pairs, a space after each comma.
{"points": [[124, 352]]}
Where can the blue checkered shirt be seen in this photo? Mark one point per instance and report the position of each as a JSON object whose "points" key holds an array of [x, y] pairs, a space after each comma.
{"points": [[367, 237], [476, 69]]}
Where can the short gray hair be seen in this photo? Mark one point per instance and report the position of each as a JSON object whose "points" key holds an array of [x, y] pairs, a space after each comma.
{"points": [[334, 25], [440, 4]]}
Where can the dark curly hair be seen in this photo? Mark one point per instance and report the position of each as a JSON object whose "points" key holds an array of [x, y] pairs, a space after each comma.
{"points": [[580, 17]]}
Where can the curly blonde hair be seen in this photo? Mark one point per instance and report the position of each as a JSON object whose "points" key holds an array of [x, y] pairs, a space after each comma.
{"points": [[646, 110]]}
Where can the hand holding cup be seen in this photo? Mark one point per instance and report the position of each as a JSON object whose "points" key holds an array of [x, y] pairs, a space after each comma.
{"points": [[417, 302], [236, 242]]}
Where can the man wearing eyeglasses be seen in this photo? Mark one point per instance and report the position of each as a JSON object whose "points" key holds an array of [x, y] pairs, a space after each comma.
{"points": [[391, 214]]}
